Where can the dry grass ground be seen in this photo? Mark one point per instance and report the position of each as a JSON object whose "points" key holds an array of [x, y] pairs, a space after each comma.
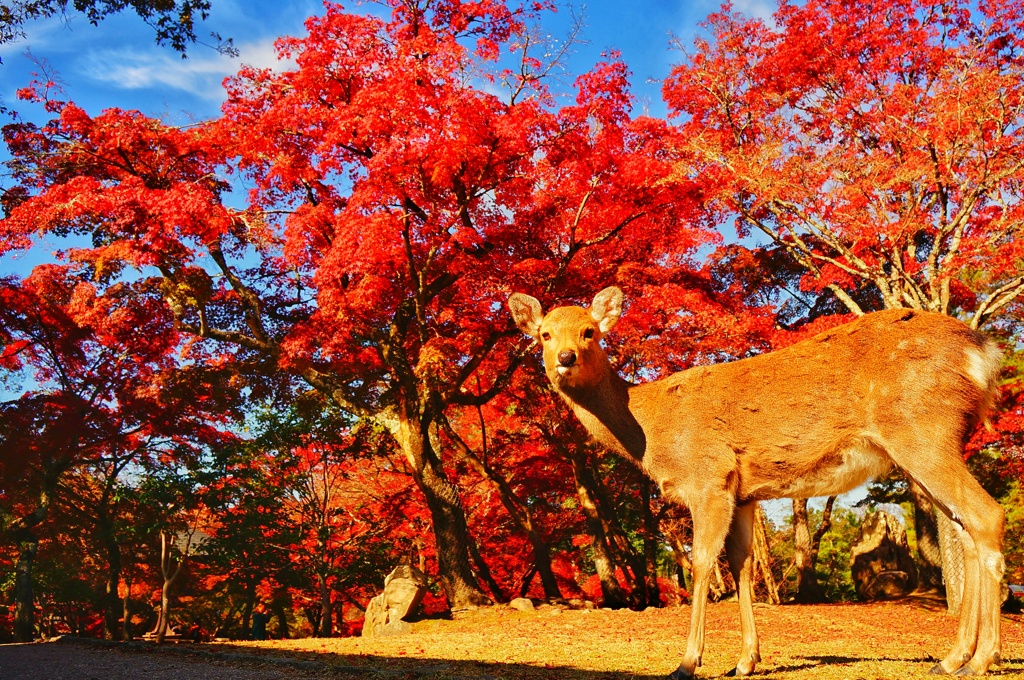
{"points": [[880, 640]]}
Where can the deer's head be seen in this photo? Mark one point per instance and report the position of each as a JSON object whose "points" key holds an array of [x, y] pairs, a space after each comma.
{"points": [[570, 336]]}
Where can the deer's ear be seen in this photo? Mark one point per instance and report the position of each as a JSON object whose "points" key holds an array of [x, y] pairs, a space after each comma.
{"points": [[607, 308], [527, 313]]}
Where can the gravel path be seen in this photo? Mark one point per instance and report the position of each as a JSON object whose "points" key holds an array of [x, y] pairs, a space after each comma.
{"points": [[77, 661]]}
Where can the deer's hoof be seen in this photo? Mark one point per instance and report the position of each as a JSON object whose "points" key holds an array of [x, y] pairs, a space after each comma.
{"points": [[681, 673], [937, 669], [965, 670]]}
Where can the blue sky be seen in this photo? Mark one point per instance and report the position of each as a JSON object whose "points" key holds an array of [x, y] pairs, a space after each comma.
{"points": [[117, 64]]}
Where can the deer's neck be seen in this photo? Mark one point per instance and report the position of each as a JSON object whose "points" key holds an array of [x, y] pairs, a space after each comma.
{"points": [[604, 412]]}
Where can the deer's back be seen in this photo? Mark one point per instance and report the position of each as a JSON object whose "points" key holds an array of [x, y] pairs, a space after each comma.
{"points": [[819, 411]]}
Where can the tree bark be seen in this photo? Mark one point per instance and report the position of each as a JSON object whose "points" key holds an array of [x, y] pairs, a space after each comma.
{"points": [[250, 604], [326, 609], [23, 532], [170, 575], [126, 610], [542, 562], [633, 565], [112, 601], [807, 588], [282, 619], [762, 557], [485, 572], [650, 545], [604, 564], [805, 550], [24, 601], [451, 532]]}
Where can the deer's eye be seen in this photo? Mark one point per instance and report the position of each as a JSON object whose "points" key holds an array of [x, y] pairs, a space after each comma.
{"points": [[589, 333], [545, 336]]}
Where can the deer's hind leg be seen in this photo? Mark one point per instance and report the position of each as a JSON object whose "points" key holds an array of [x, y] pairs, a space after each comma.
{"points": [[738, 548], [938, 467]]}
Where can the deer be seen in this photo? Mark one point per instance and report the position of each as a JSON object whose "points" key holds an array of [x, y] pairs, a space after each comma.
{"points": [[900, 387]]}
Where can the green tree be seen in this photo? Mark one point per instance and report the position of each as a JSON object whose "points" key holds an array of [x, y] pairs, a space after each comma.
{"points": [[172, 20]]}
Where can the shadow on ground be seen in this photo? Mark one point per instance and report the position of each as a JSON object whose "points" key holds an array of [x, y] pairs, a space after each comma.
{"points": [[1009, 667], [300, 664]]}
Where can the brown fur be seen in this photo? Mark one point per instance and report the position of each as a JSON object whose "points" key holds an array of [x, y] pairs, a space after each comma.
{"points": [[898, 387]]}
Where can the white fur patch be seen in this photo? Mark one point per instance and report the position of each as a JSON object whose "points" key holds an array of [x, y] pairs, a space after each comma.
{"points": [[860, 463], [979, 368], [994, 563]]}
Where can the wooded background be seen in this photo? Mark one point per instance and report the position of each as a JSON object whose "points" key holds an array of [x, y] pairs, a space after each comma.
{"points": [[271, 360]]}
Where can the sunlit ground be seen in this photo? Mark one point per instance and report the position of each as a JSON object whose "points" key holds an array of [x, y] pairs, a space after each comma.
{"points": [[881, 640]]}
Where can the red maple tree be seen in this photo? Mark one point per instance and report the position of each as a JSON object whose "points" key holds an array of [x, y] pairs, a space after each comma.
{"points": [[393, 201]]}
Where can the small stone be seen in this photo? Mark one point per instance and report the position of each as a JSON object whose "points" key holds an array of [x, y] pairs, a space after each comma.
{"points": [[523, 604]]}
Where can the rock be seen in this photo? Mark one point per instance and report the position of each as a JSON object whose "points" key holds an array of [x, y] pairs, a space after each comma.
{"points": [[523, 604], [404, 589], [881, 563], [376, 617], [887, 585]]}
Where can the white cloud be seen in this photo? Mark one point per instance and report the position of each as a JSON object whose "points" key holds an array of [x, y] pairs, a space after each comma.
{"points": [[200, 75], [757, 9]]}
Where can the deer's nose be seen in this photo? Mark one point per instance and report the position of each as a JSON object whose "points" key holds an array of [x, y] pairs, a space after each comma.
{"points": [[567, 357]]}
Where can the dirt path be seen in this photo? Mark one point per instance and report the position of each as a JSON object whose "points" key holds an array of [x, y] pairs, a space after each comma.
{"points": [[878, 641]]}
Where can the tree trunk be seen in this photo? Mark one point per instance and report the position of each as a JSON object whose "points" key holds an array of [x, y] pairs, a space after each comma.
{"points": [[126, 611], [683, 564], [632, 563], [805, 550], [23, 532], [542, 563], [451, 532], [807, 588], [604, 564], [527, 578], [650, 545], [313, 615], [169, 575], [112, 601], [250, 604], [518, 511], [165, 611], [24, 602], [326, 608], [718, 588], [485, 572], [929, 553], [762, 556]]}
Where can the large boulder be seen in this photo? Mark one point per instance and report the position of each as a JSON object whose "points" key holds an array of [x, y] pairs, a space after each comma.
{"points": [[881, 563], [404, 589]]}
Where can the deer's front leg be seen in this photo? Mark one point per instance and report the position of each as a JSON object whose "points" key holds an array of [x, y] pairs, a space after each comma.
{"points": [[711, 521]]}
